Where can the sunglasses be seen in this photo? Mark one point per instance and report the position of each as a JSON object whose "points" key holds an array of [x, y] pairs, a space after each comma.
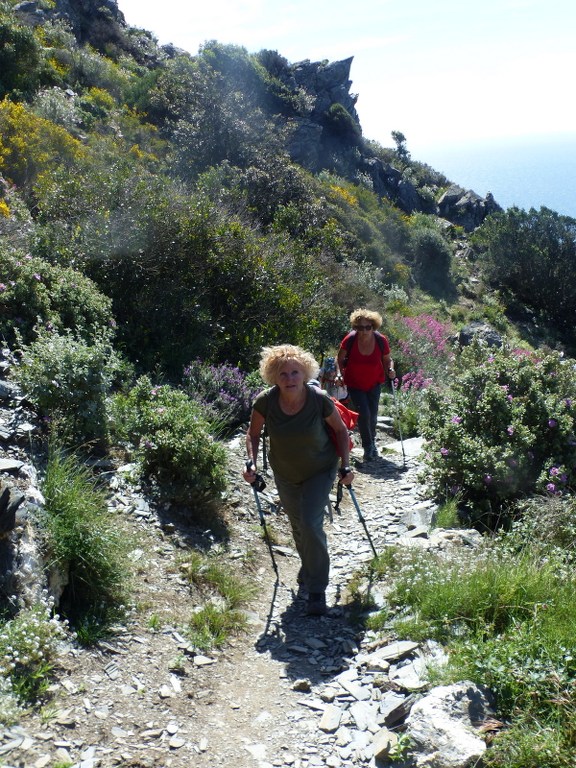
{"points": [[362, 327]]}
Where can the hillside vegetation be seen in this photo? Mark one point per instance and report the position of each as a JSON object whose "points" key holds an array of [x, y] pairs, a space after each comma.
{"points": [[164, 215]]}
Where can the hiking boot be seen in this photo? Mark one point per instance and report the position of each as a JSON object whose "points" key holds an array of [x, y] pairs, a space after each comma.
{"points": [[302, 593], [316, 604], [371, 452]]}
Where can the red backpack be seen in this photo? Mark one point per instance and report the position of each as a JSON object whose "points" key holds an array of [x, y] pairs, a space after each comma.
{"points": [[350, 418]]}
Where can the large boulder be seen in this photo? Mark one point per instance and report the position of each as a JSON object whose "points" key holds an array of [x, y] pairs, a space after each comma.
{"points": [[466, 208], [482, 331], [444, 726]]}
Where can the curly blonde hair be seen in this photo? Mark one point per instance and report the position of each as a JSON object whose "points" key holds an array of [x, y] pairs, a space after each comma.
{"points": [[366, 314], [272, 358]]}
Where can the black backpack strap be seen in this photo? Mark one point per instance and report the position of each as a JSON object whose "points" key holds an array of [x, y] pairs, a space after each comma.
{"points": [[349, 342], [352, 337]]}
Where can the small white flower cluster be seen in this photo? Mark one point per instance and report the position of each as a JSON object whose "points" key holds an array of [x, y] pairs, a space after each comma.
{"points": [[29, 641]]}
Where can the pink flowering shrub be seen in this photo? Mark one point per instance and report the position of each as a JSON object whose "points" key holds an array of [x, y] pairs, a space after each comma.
{"points": [[425, 350], [505, 427], [423, 355]]}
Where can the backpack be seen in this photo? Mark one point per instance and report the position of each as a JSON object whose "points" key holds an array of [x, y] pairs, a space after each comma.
{"points": [[350, 341], [329, 367], [350, 419]]}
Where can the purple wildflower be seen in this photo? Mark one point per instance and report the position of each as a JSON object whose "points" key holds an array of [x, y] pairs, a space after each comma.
{"points": [[552, 423], [487, 479], [510, 430], [444, 451]]}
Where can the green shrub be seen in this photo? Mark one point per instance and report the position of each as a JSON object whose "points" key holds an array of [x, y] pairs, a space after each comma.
{"points": [[503, 428], [84, 543], [172, 440], [406, 408], [35, 292], [68, 381], [20, 57], [431, 259], [532, 254]]}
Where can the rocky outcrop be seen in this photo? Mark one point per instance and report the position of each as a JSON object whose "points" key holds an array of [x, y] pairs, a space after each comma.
{"points": [[84, 16], [99, 23], [465, 208], [329, 136], [330, 125], [481, 331]]}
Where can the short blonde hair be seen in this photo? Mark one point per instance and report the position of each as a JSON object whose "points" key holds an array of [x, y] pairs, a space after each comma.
{"points": [[272, 359], [366, 314]]}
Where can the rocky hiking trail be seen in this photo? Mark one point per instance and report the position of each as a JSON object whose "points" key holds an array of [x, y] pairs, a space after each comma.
{"points": [[292, 691]]}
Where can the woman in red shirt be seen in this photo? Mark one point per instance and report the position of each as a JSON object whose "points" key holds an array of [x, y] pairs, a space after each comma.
{"points": [[365, 361]]}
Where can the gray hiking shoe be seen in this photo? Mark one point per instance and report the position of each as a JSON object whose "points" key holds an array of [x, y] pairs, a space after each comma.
{"points": [[371, 452]]}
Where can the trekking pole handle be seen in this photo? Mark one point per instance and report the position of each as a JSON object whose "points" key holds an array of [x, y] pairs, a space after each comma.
{"points": [[258, 483]]}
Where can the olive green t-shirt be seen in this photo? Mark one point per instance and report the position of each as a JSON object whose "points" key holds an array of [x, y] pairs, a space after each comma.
{"points": [[300, 446]]}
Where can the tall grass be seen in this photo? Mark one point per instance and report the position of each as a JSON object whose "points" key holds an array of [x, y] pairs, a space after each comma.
{"points": [[506, 614], [84, 544]]}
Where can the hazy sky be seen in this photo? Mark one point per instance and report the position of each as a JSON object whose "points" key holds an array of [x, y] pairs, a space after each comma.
{"points": [[439, 71]]}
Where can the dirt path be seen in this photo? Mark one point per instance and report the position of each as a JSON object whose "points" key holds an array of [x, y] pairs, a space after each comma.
{"points": [[144, 699]]}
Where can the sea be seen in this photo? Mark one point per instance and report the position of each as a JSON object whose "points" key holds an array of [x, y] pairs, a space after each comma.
{"points": [[527, 172]]}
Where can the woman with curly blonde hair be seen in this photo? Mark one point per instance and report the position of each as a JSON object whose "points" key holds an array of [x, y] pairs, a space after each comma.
{"points": [[365, 361], [302, 456]]}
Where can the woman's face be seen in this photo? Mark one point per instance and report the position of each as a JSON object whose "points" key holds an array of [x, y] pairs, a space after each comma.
{"points": [[363, 325], [291, 377]]}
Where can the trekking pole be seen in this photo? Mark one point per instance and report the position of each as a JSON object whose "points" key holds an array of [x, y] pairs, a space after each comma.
{"points": [[264, 451], [393, 388], [361, 518], [259, 485], [339, 494]]}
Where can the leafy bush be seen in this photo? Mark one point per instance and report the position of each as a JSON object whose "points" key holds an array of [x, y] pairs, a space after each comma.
{"points": [[68, 381], [83, 543], [406, 407], [505, 427], [533, 255], [222, 390], [422, 354], [172, 441], [20, 57], [431, 258], [62, 299]]}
